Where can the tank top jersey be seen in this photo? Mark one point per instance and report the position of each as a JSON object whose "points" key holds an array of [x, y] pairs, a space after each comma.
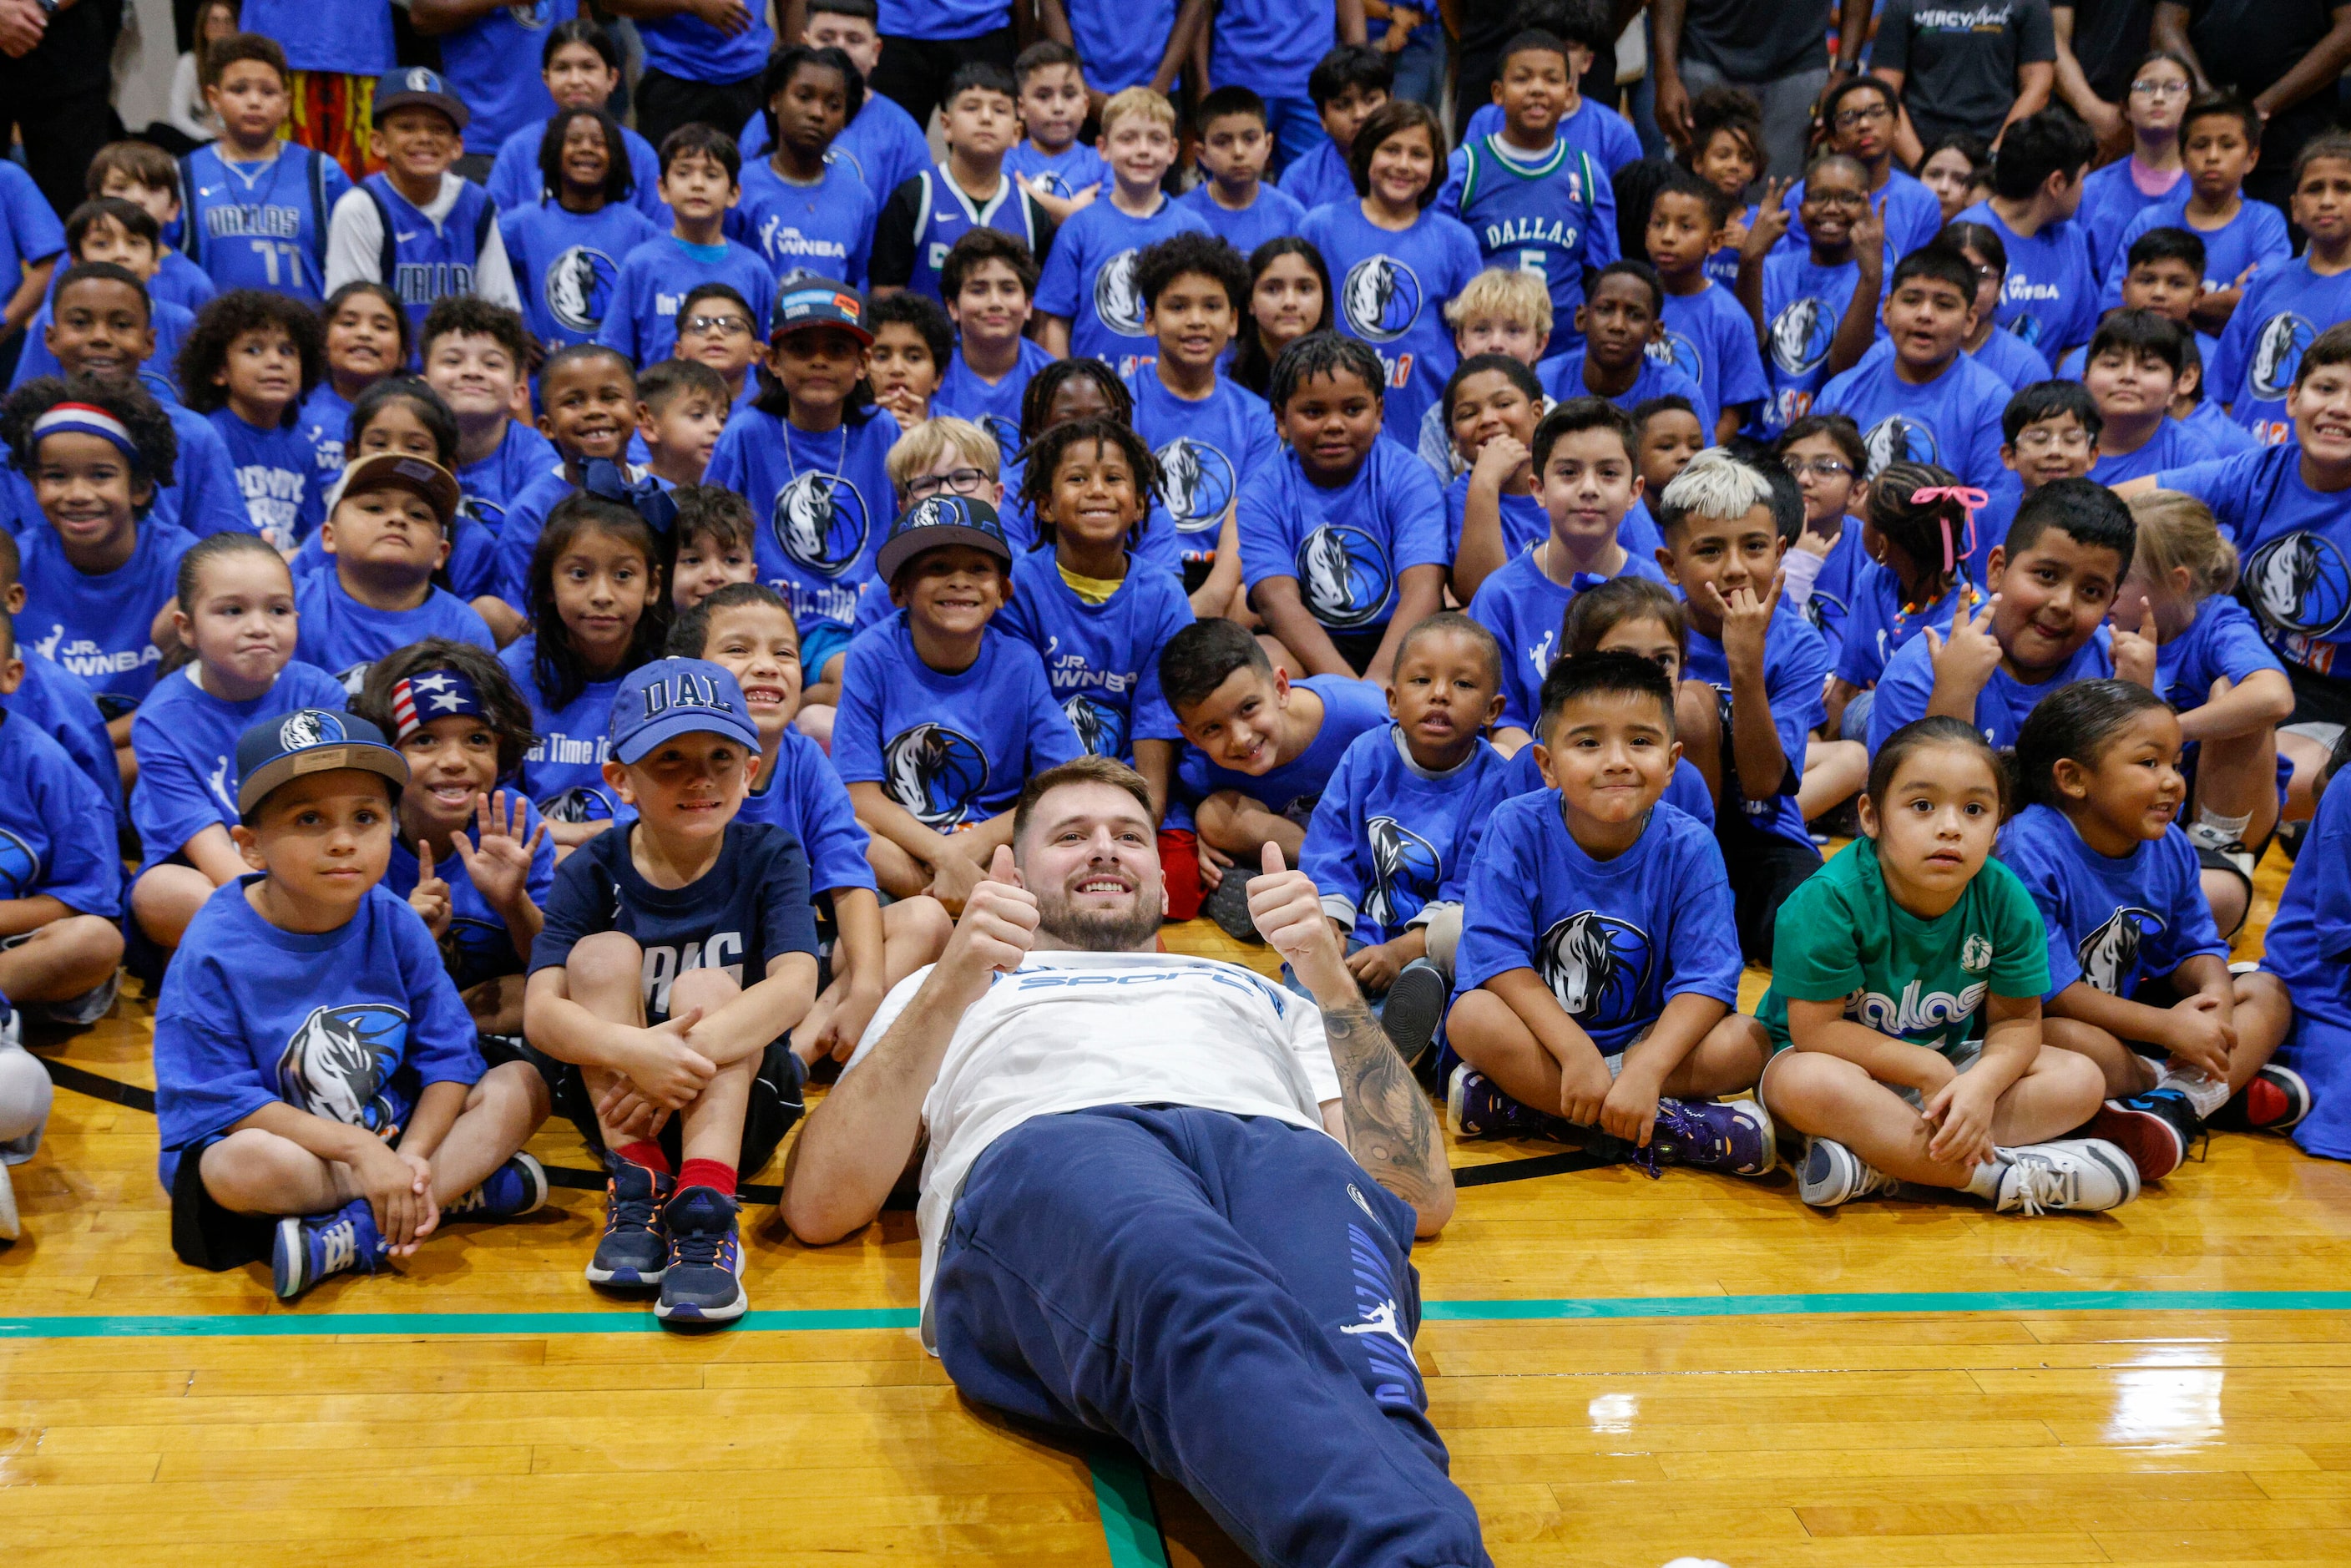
{"points": [[424, 261], [255, 226]]}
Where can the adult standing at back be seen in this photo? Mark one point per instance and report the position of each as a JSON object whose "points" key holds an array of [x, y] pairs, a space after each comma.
{"points": [[1977, 69], [924, 42], [702, 61], [1270, 47], [2284, 57], [54, 87], [1778, 50], [337, 49]]}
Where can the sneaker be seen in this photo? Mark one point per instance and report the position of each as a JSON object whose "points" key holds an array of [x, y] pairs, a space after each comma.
{"points": [[2087, 1174], [1733, 1136], [2154, 1129], [10, 1226], [635, 1246], [2274, 1101], [1415, 1007], [1833, 1175], [515, 1188], [309, 1248], [2219, 851], [1229, 907], [703, 1283], [1476, 1108]]}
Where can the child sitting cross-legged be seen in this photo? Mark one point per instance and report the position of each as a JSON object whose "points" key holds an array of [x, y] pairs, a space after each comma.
{"points": [[1597, 980], [2138, 975], [678, 953], [1906, 1004], [320, 1096]]}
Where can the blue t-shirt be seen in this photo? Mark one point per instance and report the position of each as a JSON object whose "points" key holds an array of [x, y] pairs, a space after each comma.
{"points": [[750, 908], [1563, 378], [517, 538], [515, 181], [1101, 661], [57, 703], [1552, 213], [325, 421], [351, 1025], [1523, 608], [185, 739], [2308, 944], [943, 19], [1685, 790], [492, 64], [1089, 278], [953, 749], [1391, 290], [2211, 422], [261, 225], [1271, 45], [1120, 41], [995, 408], [798, 791], [563, 774], [1525, 524], [2111, 198], [477, 946], [823, 504], [1388, 837], [1829, 607], [1912, 214], [56, 832], [1795, 673], [2222, 641], [1613, 941], [2294, 542], [1209, 452], [683, 45], [1345, 547], [2255, 237], [205, 497], [29, 231], [473, 559], [487, 487], [1803, 304], [277, 474], [1271, 214], [1877, 627], [1290, 788], [884, 142], [1908, 684], [1952, 421], [177, 281], [1318, 177], [2113, 924], [1064, 173], [567, 264], [825, 229], [354, 41], [2016, 362], [172, 324], [2284, 310], [2173, 445], [655, 278], [1711, 339], [98, 625], [343, 637], [2050, 297]]}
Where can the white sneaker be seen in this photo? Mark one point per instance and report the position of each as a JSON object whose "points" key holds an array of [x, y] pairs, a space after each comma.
{"points": [[10, 1227], [1832, 1175], [2087, 1174]]}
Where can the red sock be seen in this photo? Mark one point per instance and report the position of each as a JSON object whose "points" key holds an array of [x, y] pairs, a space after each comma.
{"points": [[645, 1153], [713, 1174]]}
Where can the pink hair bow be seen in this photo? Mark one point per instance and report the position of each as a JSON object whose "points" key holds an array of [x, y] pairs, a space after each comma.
{"points": [[1970, 499]]}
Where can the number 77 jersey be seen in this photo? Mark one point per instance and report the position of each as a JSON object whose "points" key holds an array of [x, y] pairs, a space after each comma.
{"points": [[1552, 213], [261, 225]]}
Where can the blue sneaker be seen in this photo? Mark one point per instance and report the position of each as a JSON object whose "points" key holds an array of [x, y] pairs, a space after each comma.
{"points": [[308, 1248], [1732, 1137], [515, 1188], [635, 1246], [1478, 1108], [703, 1283]]}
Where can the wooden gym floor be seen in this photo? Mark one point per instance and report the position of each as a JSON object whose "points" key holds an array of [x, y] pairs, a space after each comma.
{"points": [[1627, 1371]]}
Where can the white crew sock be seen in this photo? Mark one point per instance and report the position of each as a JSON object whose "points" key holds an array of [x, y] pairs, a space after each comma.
{"points": [[1985, 1182], [2227, 830]]}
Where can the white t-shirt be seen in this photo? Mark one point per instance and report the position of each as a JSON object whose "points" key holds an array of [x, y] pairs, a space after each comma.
{"points": [[1067, 1031]]}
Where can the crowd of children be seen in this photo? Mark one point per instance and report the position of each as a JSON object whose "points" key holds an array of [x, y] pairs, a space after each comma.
{"points": [[555, 621]]}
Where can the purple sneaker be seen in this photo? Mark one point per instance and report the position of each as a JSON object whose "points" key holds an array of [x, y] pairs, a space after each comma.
{"points": [[1478, 1108], [1732, 1136]]}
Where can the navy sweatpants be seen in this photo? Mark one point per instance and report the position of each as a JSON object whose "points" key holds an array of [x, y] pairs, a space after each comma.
{"points": [[1232, 1296]]}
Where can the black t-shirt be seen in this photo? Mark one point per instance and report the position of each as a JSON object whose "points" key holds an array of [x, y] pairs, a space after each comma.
{"points": [[2110, 39], [750, 906], [2246, 45], [1756, 40], [1959, 58], [75, 53]]}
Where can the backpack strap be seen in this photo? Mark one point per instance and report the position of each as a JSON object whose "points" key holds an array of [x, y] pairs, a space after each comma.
{"points": [[191, 228], [388, 253], [320, 216]]}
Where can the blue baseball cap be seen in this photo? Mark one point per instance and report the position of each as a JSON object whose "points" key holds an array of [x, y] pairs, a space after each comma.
{"points": [[416, 85], [942, 520], [309, 740], [813, 301], [671, 698]]}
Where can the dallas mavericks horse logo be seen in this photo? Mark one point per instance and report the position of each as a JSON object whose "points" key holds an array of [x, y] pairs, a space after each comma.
{"points": [[1405, 867], [1594, 963], [579, 803], [20, 868], [1116, 300], [1101, 729], [422, 80], [1899, 439], [1343, 574], [1195, 484], [935, 772], [1679, 351], [336, 1064], [2277, 354], [2300, 583], [1380, 299], [483, 510], [821, 523], [1817, 609], [472, 947], [309, 728], [1799, 338], [1007, 433], [578, 287], [2109, 956], [532, 15]]}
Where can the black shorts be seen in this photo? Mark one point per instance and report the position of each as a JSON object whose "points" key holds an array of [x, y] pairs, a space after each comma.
{"points": [[2318, 699], [203, 1234], [1764, 868], [1358, 648], [777, 1101]]}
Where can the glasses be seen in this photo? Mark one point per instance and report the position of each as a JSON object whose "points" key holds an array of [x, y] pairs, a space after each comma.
{"points": [[715, 325], [2063, 440], [2158, 89], [1818, 467], [1847, 118], [962, 481]]}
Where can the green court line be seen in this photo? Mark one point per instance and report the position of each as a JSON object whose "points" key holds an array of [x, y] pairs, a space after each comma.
{"points": [[1130, 1519], [526, 1324]]}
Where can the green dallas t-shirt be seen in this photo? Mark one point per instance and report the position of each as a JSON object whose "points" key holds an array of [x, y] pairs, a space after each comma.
{"points": [[1842, 937]]}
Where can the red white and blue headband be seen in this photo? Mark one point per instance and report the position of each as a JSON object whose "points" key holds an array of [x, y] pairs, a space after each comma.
{"points": [[86, 419], [420, 698]]}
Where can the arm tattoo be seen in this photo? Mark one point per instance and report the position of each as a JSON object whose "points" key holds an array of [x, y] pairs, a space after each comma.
{"points": [[1391, 1130]]}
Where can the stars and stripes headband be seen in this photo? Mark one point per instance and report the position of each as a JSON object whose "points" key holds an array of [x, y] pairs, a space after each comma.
{"points": [[86, 419], [419, 699]]}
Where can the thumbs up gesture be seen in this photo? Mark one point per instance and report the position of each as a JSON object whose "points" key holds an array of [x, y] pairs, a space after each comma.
{"points": [[1287, 911], [998, 928]]}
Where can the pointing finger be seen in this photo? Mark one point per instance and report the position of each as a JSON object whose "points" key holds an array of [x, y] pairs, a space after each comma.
{"points": [[423, 860]]}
